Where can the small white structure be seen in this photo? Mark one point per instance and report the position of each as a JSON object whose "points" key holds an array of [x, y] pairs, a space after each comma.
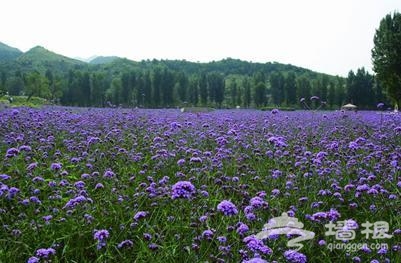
{"points": [[349, 106]]}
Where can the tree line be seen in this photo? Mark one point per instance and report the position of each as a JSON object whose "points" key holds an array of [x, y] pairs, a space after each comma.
{"points": [[230, 82], [161, 86]]}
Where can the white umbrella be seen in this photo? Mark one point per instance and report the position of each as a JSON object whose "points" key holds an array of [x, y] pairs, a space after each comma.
{"points": [[349, 106]]}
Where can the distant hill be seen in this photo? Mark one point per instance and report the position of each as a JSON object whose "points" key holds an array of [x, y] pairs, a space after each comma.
{"points": [[41, 59], [8, 53], [39, 54], [103, 60], [163, 83], [226, 66]]}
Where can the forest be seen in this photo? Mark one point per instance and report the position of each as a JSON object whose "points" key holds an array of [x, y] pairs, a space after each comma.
{"points": [[229, 83]]}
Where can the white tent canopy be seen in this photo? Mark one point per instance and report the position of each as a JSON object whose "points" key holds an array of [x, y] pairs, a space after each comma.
{"points": [[349, 106]]}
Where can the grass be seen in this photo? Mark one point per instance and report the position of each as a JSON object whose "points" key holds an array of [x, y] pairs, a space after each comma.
{"points": [[21, 101], [241, 158]]}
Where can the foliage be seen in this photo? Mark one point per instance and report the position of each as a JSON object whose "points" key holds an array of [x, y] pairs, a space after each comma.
{"points": [[113, 81], [21, 101], [36, 85], [360, 89], [277, 108], [8, 53], [103, 60], [124, 185], [386, 55]]}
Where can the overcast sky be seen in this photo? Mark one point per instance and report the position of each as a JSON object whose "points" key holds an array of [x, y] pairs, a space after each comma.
{"points": [[327, 36]]}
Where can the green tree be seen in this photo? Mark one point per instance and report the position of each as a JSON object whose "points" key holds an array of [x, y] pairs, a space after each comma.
{"points": [[157, 83], [247, 92], [290, 89], [352, 92], [277, 87], [239, 96], [260, 94], [303, 87], [73, 94], [3, 80], [36, 85], [99, 87], [55, 85], [331, 97], [140, 90], [168, 87], [113, 94], [324, 85], [377, 87], [360, 88], [386, 55], [15, 85], [147, 89], [183, 86], [233, 90], [126, 88], [340, 91], [203, 88], [316, 88], [134, 87], [216, 87], [193, 90], [86, 88]]}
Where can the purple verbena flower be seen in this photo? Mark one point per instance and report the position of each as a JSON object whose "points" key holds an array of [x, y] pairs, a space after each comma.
{"points": [[255, 260], [140, 215], [293, 256], [45, 253], [208, 234], [33, 260], [56, 166], [256, 245], [109, 174], [227, 208], [242, 228], [183, 189], [12, 152], [125, 244], [100, 235]]}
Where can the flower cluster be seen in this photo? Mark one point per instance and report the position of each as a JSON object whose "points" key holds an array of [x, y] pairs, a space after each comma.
{"points": [[227, 208], [183, 189], [101, 237]]}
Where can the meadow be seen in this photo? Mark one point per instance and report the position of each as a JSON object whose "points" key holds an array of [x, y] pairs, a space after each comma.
{"points": [[133, 185]]}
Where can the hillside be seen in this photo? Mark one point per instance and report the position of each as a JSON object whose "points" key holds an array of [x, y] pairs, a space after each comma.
{"points": [[40, 54], [103, 60], [41, 59], [8, 53], [166, 83]]}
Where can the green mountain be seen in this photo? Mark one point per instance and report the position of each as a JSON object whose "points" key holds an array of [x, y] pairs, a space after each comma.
{"points": [[163, 83], [8, 53], [41, 59], [39, 54], [103, 60]]}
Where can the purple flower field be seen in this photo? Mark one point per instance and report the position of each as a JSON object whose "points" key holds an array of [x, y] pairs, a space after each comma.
{"points": [[120, 185]]}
